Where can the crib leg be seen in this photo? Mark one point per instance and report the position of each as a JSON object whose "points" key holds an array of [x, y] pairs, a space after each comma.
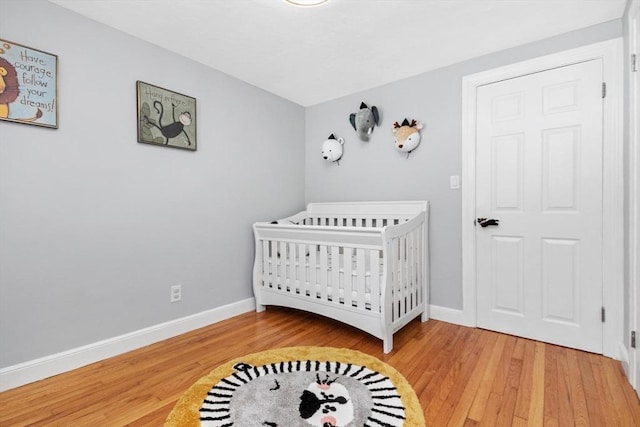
{"points": [[260, 308], [387, 344], [425, 313]]}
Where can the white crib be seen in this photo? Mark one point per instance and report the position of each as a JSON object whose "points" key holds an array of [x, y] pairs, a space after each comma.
{"points": [[362, 263]]}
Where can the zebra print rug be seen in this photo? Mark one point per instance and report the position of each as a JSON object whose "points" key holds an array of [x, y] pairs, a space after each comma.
{"points": [[300, 386]]}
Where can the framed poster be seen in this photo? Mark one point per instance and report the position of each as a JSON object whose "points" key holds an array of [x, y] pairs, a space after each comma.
{"points": [[28, 85], [165, 117]]}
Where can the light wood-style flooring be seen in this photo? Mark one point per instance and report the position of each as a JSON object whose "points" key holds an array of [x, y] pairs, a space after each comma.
{"points": [[462, 376]]}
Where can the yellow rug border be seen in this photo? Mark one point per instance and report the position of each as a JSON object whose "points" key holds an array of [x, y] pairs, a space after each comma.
{"points": [[186, 411]]}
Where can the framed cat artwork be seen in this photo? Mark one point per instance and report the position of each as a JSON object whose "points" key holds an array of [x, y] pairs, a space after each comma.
{"points": [[165, 117]]}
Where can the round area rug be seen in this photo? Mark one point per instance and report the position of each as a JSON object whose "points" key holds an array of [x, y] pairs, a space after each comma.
{"points": [[300, 386]]}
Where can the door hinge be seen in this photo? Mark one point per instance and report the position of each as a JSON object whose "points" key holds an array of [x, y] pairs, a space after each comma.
{"points": [[602, 314], [604, 89], [634, 62], [633, 339]]}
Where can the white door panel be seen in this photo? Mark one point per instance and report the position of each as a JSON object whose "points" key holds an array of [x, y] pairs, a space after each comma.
{"points": [[539, 172]]}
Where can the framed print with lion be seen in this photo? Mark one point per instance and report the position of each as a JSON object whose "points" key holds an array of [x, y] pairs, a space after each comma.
{"points": [[165, 117], [28, 85]]}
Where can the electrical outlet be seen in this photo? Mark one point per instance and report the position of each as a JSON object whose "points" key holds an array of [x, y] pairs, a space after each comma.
{"points": [[176, 293]]}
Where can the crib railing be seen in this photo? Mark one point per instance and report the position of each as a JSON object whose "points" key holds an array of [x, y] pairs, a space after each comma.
{"points": [[333, 267], [352, 221], [406, 268], [336, 274]]}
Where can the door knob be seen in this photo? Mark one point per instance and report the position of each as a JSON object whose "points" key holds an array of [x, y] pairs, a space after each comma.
{"points": [[485, 222]]}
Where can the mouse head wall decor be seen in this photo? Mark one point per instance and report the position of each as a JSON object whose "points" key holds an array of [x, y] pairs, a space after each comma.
{"points": [[407, 135], [364, 120], [332, 149]]}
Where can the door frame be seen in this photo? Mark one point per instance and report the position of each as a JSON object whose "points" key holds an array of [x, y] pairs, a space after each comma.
{"points": [[634, 195], [613, 182]]}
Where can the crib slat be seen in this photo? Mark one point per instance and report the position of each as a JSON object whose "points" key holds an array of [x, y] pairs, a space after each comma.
{"points": [[313, 270], [374, 279], [274, 264], [399, 278], [291, 271], [334, 293], [324, 265], [291, 278], [300, 262], [407, 275], [410, 269], [284, 265], [403, 275], [361, 278], [293, 261], [413, 270], [348, 276], [292, 268], [393, 269], [265, 263], [420, 264], [282, 274]]}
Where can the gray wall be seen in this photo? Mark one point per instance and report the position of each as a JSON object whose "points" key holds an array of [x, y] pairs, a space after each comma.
{"points": [[375, 170], [95, 227]]}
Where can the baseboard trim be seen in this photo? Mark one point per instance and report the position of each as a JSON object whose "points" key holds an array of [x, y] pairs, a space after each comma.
{"points": [[44, 367], [623, 357], [449, 315]]}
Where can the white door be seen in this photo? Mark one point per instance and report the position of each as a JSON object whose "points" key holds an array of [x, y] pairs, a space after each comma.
{"points": [[539, 174]]}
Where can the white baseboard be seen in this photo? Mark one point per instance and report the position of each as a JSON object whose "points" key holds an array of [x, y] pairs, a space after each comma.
{"points": [[623, 357], [38, 369], [449, 315]]}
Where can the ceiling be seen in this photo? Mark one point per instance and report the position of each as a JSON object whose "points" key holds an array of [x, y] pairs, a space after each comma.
{"points": [[314, 54]]}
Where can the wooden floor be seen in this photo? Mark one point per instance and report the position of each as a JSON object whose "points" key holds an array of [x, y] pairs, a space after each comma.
{"points": [[462, 376]]}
